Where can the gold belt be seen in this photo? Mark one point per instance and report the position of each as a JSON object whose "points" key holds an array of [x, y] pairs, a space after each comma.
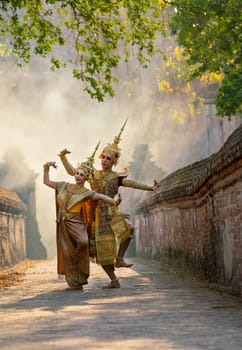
{"points": [[69, 214]]}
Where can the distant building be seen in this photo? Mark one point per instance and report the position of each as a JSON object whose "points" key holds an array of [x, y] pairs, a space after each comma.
{"points": [[16, 176], [142, 167], [12, 229], [144, 170]]}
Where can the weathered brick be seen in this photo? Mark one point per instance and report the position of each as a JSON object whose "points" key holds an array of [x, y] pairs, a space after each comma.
{"points": [[195, 220]]}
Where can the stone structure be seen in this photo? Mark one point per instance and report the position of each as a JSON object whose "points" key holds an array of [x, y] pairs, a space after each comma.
{"points": [[143, 169], [195, 221], [12, 228], [19, 178]]}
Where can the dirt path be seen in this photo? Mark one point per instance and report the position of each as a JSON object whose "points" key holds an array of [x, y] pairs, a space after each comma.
{"points": [[153, 309]]}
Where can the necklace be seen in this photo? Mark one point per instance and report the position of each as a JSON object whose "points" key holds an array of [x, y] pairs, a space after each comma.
{"points": [[75, 189]]}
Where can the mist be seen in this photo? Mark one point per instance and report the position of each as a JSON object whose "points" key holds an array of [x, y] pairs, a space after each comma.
{"points": [[43, 112]]}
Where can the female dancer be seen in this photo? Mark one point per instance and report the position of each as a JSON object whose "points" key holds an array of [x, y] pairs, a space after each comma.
{"points": [[73, 202]]}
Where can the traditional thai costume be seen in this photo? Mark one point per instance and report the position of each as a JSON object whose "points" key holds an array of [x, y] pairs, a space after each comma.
{"points": [[109, 224], [73, 220]]}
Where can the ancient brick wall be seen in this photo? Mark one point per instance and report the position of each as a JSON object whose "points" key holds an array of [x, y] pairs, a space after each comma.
{"points": [[194, 222], [25, 188], [12, 229]]}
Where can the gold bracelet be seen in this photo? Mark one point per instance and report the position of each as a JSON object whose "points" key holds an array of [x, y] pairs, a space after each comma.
{"points": [[46, 168]]}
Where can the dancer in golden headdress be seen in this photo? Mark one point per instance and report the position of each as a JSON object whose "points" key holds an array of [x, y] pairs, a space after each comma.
{"points": [[110, 224], [73, 218]]}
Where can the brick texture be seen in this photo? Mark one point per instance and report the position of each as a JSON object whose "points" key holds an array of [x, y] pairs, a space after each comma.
{"points": [[194, 221]]}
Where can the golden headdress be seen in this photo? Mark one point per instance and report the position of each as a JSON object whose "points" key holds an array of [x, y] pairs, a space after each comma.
{"points": [[113, 147], [88, 165]]}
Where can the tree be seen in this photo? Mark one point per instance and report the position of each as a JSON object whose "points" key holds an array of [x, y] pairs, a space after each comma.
{"points": [[182, 98], [89, 35], [93, 36], [210, 31]]}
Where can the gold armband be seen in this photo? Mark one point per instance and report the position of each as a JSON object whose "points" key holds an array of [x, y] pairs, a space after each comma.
{"points": [[69, 168], [46, 168], [137, 185], [114, 203]]}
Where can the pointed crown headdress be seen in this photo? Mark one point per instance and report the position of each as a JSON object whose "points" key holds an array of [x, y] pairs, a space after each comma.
{"points": [[113, 147], [87, 166]]}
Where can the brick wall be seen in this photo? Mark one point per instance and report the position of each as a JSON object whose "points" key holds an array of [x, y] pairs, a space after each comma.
{"points": [[194, 221], [12, 229]]}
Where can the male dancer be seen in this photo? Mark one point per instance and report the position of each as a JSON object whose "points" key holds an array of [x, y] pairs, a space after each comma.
{"points": [[109, 226]]}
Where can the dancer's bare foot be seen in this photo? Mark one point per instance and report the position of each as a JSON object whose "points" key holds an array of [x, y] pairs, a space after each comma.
{"points": [[113, 284], [121, 263], [76, 288]]}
